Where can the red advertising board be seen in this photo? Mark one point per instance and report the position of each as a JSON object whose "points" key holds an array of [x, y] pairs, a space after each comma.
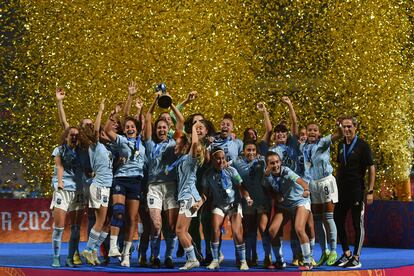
{"points": [[28, 220]]}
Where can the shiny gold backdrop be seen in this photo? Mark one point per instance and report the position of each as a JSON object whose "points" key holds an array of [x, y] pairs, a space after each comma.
{"points": [[330, 57]]}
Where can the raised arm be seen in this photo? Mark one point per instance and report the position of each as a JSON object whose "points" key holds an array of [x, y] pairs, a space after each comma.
{"points": [[194, 139], [294, 129], [98, 119], [180, 118], [131, 92], [60, 95], [190, 97], [148, 119], [268, 124], [138, 104], [112, 120], [339, 133]]}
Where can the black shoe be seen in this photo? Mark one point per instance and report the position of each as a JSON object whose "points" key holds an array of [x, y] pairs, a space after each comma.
{"points": [[168, 263], [353, 263], [343, 260], [156, 263]]}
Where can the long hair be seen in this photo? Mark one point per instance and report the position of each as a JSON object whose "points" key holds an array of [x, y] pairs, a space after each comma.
{"points": [[88, 136], [64, 134]]}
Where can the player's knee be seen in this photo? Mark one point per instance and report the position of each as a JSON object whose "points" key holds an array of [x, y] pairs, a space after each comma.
{"points": [[118, 214]]}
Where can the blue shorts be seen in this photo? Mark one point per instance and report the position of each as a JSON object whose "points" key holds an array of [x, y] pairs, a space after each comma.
{"points": [[130, 187]]}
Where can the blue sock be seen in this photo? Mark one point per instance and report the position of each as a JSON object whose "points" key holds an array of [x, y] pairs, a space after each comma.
{"points": [[250, 237], [320, 231], [306, 252], [312, 245], [190, 253], [92, 240], [101, 239], [241, 252], [332, 230], [57, 240], [73, 240], [170, 241], [267, 247], [215, 250], [155, 246]]}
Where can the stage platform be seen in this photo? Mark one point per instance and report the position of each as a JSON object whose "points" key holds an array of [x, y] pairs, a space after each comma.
{"points": [[35, 259]]}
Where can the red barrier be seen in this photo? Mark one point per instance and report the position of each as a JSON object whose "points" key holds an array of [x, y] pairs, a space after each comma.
{"points": [[29, 220]]}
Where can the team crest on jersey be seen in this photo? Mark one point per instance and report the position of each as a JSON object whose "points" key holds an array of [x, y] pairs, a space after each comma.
{"points": [[151, 201], [117, 188], [58, 201], [105, 199]]}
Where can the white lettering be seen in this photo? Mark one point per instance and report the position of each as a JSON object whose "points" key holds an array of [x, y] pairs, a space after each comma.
{"points": [[6, 223], [33, 220], [46, 216], [23, 215]]}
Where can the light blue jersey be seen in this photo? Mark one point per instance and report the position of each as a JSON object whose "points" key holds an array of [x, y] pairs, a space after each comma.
{"points": [[317, 159], [72, 170], [290, 154], [130, 155], [222, 185], [286, 184], [159, 157], [231, 147], [187, 177], [101, 161], [252, 174]]}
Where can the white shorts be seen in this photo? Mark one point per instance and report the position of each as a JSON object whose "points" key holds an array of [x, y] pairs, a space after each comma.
{"points": [[228, 210], [67, 200], [185, 207], [98, 196], [324, 190], [162, 196]]}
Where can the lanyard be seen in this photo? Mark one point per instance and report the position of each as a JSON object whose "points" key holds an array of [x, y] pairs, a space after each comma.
{"points": [[175, 164], [276, 180], [72, 152], [224, 182], [135, 150], [137, 141], [220, 142], [351, 147], [157, 148]]}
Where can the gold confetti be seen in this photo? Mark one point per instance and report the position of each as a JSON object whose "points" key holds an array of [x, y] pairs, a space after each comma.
{"points": [[330, 57]]}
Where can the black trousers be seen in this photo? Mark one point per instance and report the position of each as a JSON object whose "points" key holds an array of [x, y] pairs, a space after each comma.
{"points": [[357, 209]]}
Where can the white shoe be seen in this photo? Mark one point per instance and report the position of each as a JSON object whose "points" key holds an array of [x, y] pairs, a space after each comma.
{"points": [[190, 264], [244, 266], [114, 252], [125, 261], [88, 255], [214, 265], [96, 258], [221, 258]]}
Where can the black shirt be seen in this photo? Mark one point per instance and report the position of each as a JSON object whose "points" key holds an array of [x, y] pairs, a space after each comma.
{"points": [[351, 172]]}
